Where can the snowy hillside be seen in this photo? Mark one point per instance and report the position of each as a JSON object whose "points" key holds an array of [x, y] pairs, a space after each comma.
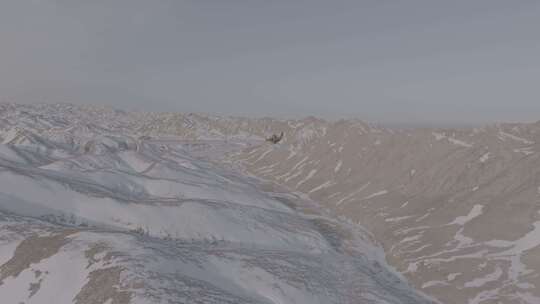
{"points": [[102, 206]]}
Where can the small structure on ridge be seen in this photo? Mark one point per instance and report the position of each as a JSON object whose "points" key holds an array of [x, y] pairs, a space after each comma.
{"points": [[275, 138]]}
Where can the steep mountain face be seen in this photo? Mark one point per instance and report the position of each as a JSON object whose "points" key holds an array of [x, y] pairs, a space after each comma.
{"points": [[456, 210], [103, 206]]}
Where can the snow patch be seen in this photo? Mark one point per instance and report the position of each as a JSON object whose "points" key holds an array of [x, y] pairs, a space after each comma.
{"points": [[338, 166], [459, 142], [382, 192], [475, 212], [484, 158]]}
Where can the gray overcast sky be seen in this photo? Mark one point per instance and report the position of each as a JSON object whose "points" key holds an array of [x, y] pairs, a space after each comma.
{"points": [[390, 61]]}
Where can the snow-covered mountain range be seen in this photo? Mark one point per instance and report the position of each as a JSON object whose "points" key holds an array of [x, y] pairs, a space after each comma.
{"points": [[193, 208], [103, 206]]}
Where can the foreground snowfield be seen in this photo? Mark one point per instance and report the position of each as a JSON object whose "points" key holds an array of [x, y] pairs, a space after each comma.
{"points": [[98, 206]]}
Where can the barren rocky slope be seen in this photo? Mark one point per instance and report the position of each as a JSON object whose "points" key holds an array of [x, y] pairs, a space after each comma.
{"points": [[457, 210], [102, 206]]}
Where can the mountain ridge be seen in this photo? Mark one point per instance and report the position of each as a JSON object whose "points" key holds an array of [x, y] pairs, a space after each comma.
{"points": [[441, 201]]}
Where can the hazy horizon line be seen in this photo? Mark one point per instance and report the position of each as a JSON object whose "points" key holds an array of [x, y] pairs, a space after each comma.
{"points": [[331, 118]]}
